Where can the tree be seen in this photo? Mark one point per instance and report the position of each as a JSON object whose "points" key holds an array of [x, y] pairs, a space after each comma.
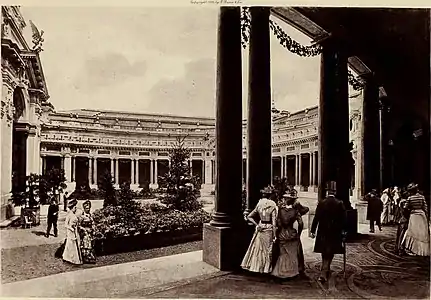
{"points": [[181, 187], [51, 183], [107, 190]]}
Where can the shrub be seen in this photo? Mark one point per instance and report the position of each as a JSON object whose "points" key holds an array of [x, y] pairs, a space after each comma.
{"points": [[117, 221]]}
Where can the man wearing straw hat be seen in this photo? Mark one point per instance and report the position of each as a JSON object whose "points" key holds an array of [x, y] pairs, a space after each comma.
{"points": [[330, 217]]}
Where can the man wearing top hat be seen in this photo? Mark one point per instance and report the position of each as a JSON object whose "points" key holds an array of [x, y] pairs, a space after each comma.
{"points": [[330, 222]]}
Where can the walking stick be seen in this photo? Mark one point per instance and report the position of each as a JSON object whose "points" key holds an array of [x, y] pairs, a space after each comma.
{"points": [[344, 258]]}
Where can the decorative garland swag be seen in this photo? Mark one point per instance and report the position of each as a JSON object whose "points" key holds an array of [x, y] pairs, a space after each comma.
{"points": [[287, 42]]}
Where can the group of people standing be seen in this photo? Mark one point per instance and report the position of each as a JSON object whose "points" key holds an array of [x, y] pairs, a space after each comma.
{"points": [[408, 209], [276, 247], [78, 248]]}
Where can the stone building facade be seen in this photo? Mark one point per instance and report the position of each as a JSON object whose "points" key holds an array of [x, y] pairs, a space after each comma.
{"points": [[24, 97]]}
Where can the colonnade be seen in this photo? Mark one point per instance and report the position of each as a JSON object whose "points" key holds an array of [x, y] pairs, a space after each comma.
{"points": [[225, 237], [141, 170]]}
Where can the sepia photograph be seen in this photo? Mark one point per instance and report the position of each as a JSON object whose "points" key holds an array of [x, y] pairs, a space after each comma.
{"points": [[215, 149]]}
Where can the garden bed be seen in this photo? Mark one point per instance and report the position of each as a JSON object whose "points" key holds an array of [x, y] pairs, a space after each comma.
{"points": [[142, 241]]}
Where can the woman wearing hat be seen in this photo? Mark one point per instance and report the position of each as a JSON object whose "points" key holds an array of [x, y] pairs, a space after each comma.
{"points": [[387, 213], [288, 261], [259, 254], [416, 240], [86, 225], [72, 251]]}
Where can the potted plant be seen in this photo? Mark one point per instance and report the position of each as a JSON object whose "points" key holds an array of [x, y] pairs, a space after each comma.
{"points": [[28, 199]]}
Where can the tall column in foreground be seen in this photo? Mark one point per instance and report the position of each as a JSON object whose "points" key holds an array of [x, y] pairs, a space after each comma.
{"points": [[371, 136], [221, 245], [334, 153], [259, 152]]}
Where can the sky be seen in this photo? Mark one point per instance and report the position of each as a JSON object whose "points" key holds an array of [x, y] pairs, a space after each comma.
{"points": [[154, 60]]}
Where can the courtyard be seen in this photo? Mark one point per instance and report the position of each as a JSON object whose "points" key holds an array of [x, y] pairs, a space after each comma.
{"points": [[373, 272]]}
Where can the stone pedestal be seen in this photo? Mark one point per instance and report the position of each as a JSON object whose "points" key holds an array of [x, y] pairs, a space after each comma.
{"points": [[134, 187], [154, 186], [361, 208], [223, 247]]}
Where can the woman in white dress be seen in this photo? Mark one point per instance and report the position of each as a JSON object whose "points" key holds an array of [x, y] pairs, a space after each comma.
{"points": [[416, 240], [259, 254], [387, 214], [72, 250]]}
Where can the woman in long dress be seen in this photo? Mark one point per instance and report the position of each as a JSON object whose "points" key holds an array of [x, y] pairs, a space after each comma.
{"points": [[86, 225], [72, 251], [416, 240], [287, 264], [387, 214], [258, 257], [396, 196]]}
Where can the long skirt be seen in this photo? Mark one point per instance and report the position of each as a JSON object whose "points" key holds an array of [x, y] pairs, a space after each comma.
{"points": [[259, 254], [72, 251], [387, 215], [287, 264], [417, 237], [87, 248], [402, 228]]}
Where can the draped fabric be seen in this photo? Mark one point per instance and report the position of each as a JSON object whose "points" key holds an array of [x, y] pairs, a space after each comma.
{"points": [[417, 237], [259, 254], [72, 251], [86, 224], [287, 264], [387, 215]]}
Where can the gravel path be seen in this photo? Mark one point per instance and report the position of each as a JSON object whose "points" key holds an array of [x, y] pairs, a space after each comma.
{"points": [[29, 262]]}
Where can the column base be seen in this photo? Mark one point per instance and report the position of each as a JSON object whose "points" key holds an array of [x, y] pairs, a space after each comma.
{"points": [[224, 247], [352, 222], [71, 186], [135, 187], [154, 186], [93, 186], [361, 208]]}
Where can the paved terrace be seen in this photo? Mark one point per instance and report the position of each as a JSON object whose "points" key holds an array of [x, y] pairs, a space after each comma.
{"points": [[373, 272]]}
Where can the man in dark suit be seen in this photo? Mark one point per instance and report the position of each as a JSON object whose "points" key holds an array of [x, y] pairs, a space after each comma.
{"points": [[330, 219], [374, 209], [52, 217]]}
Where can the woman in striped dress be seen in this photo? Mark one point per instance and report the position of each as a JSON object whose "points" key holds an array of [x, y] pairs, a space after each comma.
{"points": [[416, 240]]}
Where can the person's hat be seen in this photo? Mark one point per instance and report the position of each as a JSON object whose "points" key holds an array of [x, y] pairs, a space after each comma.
{"points": [[373, 191], [412, 186], [331, 186], [267, 190], [86, 203], [72, 203]]}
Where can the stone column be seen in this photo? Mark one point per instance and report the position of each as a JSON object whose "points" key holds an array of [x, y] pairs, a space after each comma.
{"points": [[137, 172], [95, 177], [259, 152], [73, 168], [334, 152], [90, 171], [299, 170], [68, 167], [221, 245], [296, 170], [117, 171], [208, 166], [203, 179], [371, 136], [32, 146], [112, 168], [385, 178], [311, 169], [41, 165], [132, 171], [151, 171], [282, 167], [156, 175]]}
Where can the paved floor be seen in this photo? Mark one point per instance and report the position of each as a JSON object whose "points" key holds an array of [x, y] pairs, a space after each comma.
{"points": [[373, 272]]}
